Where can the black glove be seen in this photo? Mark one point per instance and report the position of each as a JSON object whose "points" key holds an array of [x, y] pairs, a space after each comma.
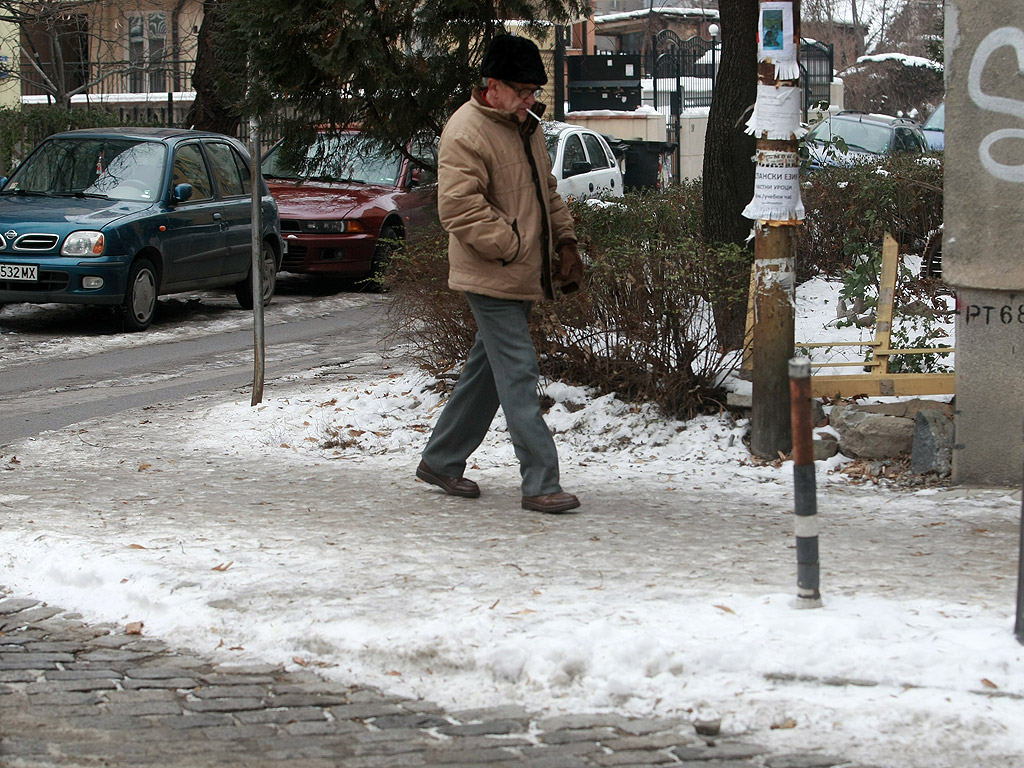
{"points": [[570, 267]]}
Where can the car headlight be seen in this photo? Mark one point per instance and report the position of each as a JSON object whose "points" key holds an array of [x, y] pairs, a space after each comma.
{"points": [[83, 243], [332, 226]]}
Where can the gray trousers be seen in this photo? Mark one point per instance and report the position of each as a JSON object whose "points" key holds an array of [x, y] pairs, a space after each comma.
{"points": [[501, 370]]}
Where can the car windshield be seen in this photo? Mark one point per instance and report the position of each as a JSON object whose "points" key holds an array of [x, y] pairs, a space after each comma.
{"points": [[859, 136], [551, 140], [336, 158], [119, 169], [937, 120]]}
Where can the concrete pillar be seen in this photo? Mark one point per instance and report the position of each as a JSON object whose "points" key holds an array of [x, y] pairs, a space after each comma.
{"points": [[988, 448], [984, 234]]}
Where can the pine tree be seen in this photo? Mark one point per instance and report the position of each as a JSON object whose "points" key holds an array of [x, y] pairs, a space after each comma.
{"points": [[396, 68]]}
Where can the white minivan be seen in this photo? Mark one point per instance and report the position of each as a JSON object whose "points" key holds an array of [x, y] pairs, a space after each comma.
{"points": [[582, 162]]}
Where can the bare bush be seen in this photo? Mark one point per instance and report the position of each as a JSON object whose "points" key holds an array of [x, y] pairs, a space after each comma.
{"points": [[851, 207], [641, 325]]}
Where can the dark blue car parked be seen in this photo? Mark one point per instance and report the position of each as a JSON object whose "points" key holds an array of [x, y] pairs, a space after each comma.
{"points": [[120, 216]]}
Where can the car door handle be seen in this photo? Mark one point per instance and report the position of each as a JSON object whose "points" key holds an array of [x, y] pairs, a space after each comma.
{"points": [[591, 186], [216, 217]]}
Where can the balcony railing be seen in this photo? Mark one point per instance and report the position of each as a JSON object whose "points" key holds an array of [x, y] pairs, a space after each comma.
{"points": [[113, 78]]}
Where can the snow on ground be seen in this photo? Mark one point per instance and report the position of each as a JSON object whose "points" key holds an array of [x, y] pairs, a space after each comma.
{"points": [[293, 533]]}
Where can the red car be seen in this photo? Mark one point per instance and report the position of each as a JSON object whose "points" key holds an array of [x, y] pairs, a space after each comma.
{"points": [[345, 207]]}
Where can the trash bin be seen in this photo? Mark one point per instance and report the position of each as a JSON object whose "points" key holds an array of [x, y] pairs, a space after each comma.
{"points": [[648, 164]]}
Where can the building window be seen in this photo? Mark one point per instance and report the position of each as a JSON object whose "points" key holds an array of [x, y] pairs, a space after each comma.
{"points": [[59, 46], [147, 50]]}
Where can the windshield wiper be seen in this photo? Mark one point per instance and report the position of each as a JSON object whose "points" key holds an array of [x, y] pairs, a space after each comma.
{"points": [[92, 194], [328, 179], [27, 193]]}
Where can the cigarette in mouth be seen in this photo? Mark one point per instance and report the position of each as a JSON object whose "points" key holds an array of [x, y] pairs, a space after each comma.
{"points": [[534, 116]]}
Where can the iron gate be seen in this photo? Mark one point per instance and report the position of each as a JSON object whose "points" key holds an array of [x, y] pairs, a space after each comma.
{"points": [[678, 75]]}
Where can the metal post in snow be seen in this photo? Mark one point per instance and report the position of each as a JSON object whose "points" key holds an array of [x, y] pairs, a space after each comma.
{"points": [[805, 502], [259, 360]]}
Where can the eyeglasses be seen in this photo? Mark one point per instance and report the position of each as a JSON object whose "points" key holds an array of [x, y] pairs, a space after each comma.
{"points": [[523, 93]]}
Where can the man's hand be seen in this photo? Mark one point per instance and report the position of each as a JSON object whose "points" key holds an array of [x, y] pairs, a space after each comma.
{"points": [[570, 267]]}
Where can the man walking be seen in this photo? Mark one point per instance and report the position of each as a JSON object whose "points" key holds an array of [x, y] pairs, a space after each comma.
{"points": [[511, 242]]}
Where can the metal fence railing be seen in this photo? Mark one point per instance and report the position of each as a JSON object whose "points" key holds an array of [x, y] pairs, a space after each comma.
{"points": [[109, 77], [680, 74]]}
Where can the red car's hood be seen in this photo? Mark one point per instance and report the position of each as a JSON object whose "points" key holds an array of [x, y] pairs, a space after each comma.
{"points": [[316, 199]]}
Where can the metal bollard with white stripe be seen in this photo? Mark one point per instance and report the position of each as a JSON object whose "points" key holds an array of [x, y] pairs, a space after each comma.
{"points": [[804, 487]]}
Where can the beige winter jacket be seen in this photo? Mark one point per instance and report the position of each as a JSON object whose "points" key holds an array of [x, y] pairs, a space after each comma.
{"points": [[497, 201]]}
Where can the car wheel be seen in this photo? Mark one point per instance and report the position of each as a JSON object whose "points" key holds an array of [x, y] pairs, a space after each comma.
{"points": [[243, 290], [139, 305], [387, 243]]}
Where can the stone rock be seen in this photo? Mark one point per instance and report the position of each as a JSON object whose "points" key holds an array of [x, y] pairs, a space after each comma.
{"points": [[864, 434], [825, 446], [711, 727], [933, 443], [818, 417], [736, 400], [884, 430]]}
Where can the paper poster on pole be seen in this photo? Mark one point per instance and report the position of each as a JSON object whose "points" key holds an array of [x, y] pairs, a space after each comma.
{"points": [[776, 113], [776, 188], [775, 39]]}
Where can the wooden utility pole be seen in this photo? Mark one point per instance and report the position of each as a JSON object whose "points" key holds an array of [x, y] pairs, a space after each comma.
{"points": [[774, 337], [777, 211]]}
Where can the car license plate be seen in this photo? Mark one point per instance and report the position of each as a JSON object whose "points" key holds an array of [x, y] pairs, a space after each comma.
{"points": [[25, 272]]}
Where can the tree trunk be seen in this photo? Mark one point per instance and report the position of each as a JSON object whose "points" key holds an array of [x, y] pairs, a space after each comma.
{"points": [[211, 111], [728, 182]]}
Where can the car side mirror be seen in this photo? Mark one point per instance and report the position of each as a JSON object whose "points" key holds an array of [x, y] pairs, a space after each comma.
{"points": [[580, 166], [418, 176], [182, 192]]}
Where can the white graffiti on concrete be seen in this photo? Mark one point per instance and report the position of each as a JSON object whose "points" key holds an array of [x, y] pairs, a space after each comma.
{"points": [[996, 39]]}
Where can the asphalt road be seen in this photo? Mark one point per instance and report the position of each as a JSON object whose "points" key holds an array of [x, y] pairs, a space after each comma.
{"points": [[61, 364]]}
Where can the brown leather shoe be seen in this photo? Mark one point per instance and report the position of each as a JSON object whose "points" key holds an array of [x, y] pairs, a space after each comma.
{"points": [[453, 486], [552, 503]]}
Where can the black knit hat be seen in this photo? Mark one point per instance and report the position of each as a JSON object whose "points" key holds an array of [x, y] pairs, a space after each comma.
{"points": [[514, 58]]}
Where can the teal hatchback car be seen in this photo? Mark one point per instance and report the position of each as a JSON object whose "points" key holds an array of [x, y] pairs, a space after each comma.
{"points": [[120, 216]]}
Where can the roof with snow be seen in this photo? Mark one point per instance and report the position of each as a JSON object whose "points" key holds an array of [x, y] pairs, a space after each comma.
{"points": [[907, 61], [685, 13]]}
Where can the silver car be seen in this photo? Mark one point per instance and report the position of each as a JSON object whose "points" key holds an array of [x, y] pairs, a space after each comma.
{"points": [[865, 136], [582, 162]]}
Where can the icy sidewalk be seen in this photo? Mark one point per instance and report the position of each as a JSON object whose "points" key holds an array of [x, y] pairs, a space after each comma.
{"points": [[670, 595]]}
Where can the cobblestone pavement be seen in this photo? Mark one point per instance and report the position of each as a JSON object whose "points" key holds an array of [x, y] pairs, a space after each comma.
{"points": [[72, 694]]}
